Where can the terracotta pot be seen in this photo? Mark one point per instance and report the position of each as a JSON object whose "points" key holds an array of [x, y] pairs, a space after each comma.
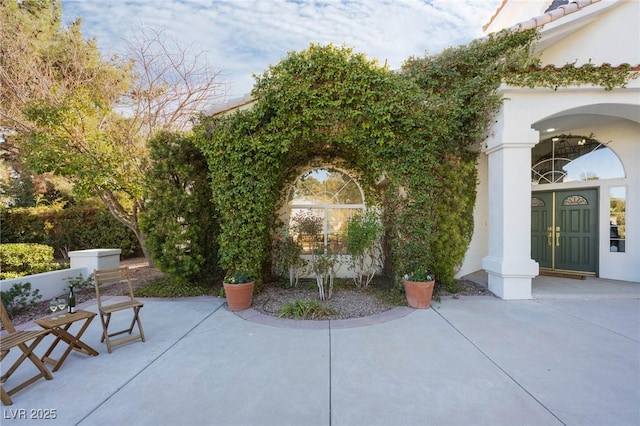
{"points": [[239, 296], [418, 293]]}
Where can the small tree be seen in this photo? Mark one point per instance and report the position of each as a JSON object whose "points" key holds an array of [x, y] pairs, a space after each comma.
{"points": [[287, 257], [363, 244], [309, 227], [324, 268]]}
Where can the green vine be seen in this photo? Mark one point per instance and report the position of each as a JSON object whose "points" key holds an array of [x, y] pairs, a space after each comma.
{"points": [[551, 77], [405, 135]]}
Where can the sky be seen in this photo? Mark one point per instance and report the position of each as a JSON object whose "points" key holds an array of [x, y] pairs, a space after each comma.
{"points": [[244, 37]]}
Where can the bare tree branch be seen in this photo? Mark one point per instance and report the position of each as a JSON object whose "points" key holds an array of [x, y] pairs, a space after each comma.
{"points": [[172, 84]]}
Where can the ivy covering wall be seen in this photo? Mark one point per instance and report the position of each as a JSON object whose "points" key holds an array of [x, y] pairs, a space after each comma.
{"points": [[406, 136], [325, 102]]}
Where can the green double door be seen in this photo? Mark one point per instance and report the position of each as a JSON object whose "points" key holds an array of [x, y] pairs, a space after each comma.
{"points": [[564, 230]]}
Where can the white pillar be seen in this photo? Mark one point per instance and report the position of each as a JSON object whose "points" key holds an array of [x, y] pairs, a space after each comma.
{"points": [[509, 264], [95, 259]]}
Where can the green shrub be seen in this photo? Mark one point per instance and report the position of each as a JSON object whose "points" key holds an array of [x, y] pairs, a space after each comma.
{"points": [[80, 283], [9, 275], [26, 259], [306, 309], [170, 287], [455, 197], [19, 297], [178, 197], [287, 257], [68, 227]]}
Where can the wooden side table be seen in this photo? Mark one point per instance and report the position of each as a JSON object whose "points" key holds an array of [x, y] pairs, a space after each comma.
{"points": [[59, 326]]}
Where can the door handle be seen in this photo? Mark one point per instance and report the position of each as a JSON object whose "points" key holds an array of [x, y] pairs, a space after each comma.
{"points": [[549, 236], [558, 236]]}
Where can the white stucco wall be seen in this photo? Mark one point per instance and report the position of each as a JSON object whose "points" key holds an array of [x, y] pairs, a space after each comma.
{"points": [[609, 117], [624, 139], [605, 32]]}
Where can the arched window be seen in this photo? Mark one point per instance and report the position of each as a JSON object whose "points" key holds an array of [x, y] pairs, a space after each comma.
{"points": [[573, 158], [331, 195]]}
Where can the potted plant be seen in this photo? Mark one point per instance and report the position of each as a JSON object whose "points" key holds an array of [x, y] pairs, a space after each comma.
{"points": [[418, 287], [238, 289]]}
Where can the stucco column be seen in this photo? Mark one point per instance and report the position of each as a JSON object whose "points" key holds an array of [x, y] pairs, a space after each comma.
{"points": [[509, 264]]}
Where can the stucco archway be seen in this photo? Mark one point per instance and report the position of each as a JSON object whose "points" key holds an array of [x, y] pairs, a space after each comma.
{"points": [[526, 117]]}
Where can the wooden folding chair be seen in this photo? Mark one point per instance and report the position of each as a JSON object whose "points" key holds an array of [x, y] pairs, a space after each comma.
{"points": [[117, 276], [19, 339]]}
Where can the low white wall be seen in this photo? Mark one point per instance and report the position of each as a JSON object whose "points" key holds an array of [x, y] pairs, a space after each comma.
{"points": [[50, 284], [82, 264]]}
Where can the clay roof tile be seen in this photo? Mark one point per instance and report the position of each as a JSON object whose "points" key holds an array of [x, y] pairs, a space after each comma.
{"points": [[549, 16]]}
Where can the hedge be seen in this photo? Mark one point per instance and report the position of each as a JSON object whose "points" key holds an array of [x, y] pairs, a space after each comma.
{"points": [[17, 260], [67, 228]]}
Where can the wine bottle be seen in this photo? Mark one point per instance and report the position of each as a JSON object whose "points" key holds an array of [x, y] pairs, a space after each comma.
{"points": [[72, 301]]}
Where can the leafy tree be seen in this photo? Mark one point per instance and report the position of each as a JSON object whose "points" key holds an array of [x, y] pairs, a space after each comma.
{"points": [[363, 237], [17, 192], [78, 115], [27, 31], [308, 226], [60, 93]]}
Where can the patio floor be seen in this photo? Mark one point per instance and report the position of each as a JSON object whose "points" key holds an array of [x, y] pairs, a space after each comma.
{"points": [[570, 356]]}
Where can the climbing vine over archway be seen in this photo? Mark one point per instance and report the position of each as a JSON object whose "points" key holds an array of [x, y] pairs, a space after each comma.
{"points": [[325, 102], [409, 129]]}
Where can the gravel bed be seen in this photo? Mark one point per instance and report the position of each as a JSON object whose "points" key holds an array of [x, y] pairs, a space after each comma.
{"points": [[348, 303]]}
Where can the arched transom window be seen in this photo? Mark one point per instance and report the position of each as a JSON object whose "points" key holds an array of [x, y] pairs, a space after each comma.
{"points": [[331, 195], [573, 158]]}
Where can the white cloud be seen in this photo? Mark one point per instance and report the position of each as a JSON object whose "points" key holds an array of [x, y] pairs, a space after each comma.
{"points": [[242, 37]]}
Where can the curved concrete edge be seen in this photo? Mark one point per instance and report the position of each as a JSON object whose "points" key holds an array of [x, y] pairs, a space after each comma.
{"points": [[260, 318], [257, 317]]}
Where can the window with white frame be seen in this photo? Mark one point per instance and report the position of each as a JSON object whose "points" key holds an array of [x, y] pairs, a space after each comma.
{"points": [[331, 195], [617, 219]]}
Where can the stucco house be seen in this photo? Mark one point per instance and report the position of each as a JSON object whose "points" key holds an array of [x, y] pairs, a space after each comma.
{"points": [[559, 177]]}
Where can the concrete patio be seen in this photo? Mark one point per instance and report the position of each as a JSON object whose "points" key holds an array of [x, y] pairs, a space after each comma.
{"points": [[570, 356]]}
